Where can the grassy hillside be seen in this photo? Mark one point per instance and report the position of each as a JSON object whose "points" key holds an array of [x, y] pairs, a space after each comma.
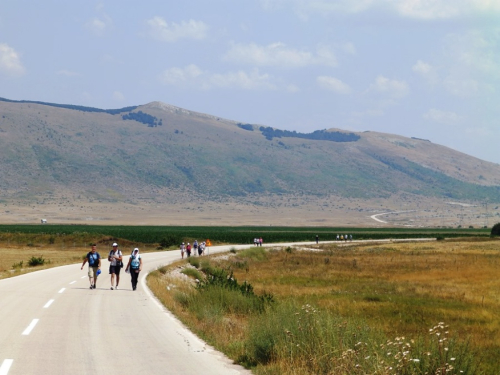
{"points": [[157, 151]]}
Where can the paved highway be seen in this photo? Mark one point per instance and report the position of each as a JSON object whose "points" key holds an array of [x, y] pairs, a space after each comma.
{"points": [[52, 323]]}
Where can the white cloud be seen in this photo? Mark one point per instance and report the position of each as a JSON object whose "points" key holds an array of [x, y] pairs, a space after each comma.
{"points": [[442, 117], [99, 25], [180, 76], [278, 54], [161, 30], [422, 67], [10, 62], [333, 84], [240, 79], [419, 9], [194, 77], [391, 88]]}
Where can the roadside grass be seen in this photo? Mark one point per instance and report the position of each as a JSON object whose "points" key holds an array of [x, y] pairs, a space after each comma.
{"points": [[23, 252], [408, 308]]}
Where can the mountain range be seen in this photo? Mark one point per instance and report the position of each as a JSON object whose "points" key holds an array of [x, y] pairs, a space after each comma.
{"points": [[168, 155]]}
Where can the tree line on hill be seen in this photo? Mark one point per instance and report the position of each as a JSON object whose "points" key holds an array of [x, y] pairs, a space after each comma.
{"points": [[318, 135]]}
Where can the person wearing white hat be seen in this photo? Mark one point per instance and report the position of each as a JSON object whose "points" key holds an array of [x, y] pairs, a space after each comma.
{"points": [[135, 266], [183, 248], [115, 265]]}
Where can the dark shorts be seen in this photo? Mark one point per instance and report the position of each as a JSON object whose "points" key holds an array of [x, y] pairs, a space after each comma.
{"points": [[114, 269]]}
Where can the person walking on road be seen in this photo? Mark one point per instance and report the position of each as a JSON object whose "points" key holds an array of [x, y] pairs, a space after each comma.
{"points": [[115, 265], [94, 260], [135, 266], [317, 239], [183, 248]]}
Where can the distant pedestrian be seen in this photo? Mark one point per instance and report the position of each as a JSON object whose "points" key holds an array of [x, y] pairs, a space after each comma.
{"points": [[338, 237], [260, 241], [200, 249], [255, 241], [183, 249], [135, 266], [350, 237], [94, 260], [115, 265], [317, 239], [195, 247], [188, 250], [345, 237]]}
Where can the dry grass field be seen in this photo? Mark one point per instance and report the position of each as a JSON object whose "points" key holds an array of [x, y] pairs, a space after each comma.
{"points": [[301, 211], [401, 290]]}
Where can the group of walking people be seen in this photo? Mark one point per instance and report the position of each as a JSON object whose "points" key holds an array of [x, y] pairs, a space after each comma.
{"points": [[115, 258], [195, 248]]}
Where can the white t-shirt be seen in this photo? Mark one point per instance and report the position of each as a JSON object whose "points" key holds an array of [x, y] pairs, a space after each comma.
{"points": [[113, 261]]}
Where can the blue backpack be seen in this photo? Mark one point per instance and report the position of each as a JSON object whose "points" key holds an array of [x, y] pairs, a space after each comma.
{"points": [[93, 259], [135, 263]]}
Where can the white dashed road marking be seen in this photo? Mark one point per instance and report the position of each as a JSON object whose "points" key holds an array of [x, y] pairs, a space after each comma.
{"points": [[32, 325], [4, 369], [48, 304], [62, 290]]}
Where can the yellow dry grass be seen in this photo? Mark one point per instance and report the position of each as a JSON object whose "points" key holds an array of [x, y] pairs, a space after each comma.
{"points": [[402, 289]]}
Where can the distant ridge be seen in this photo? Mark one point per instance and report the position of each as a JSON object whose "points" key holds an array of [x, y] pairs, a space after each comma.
{"points": [[74, 107]]}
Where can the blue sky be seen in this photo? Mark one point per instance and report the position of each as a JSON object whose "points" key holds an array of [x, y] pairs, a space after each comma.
{"points": [[418, 68]]}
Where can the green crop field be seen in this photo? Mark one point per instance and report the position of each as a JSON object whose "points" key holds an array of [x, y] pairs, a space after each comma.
{"points": [[238, 235]]}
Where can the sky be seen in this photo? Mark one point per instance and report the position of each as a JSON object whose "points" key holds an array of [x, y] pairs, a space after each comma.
{"points": [[418, 68]]}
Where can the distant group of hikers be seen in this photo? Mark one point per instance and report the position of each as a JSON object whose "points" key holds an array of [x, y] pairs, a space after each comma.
{"points": [[115, 257], [199, 248]]}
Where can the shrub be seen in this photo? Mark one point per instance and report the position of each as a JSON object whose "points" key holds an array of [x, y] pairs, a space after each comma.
{"points": [[170, 240], [195, 262], [495, 230], [36, 261], [18, 265]]}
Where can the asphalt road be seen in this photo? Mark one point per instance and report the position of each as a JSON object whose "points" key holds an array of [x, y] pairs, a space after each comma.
{"points": [[52, 323]]}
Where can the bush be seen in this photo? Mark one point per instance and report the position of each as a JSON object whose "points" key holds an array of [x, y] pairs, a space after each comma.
{"points": [[170, 240], [495, 231], [36, 261]]}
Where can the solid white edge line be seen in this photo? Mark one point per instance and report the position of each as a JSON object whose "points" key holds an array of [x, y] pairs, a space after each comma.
{"points": [[32, 325], [4, 369], [62, 290], [48, 304]]}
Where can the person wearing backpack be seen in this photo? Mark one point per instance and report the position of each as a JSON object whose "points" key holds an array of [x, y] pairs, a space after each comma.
{"points": [[94, 260], [115, 265], [135, 266]]}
